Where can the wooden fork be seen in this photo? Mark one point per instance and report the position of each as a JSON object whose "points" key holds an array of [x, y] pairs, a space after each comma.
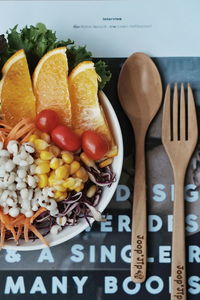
{"points": [[179, 136]]}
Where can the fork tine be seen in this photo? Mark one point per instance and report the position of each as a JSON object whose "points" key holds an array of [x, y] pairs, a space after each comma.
{"points": [[166, 123], [192, 118], [175, 113], [182, 115]]}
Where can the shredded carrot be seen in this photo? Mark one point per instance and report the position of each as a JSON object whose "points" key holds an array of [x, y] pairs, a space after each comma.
{"points": [[20, 224], [5, 124], [38, 234], [40, 210], [26, 228], [20, 218], [19, 231], [21, 129], [26, 137], [3, 232]]}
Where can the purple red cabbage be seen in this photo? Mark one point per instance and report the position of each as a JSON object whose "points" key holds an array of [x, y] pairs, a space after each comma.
{"points": [[77, 205], [101, 177]]}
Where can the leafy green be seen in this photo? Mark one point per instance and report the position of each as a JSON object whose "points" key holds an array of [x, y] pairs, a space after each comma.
{"points": [[105, 74], [3, 44], [76, 55], [38, 40]]}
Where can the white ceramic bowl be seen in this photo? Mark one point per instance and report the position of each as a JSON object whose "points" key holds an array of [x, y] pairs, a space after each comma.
{"points": [[71, 231]]}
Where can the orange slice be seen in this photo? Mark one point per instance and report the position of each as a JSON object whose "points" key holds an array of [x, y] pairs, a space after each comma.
{"points": [[51, 86], [86, 110], [16, 94]]}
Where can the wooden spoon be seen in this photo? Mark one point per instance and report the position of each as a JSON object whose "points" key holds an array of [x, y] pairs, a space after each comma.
{"points": [[140, 94]]}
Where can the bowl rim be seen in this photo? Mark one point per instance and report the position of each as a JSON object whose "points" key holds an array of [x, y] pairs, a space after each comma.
{"points": [[81, 226]]}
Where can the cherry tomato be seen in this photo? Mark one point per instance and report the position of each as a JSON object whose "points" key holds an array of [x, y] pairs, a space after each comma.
{"points": [[47, 120], [94, 145], [65, 138]]}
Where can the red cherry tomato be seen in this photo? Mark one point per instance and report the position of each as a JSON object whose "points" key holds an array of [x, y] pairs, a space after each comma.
{"points": [[65, 138], [47, 120], [94, 145]]}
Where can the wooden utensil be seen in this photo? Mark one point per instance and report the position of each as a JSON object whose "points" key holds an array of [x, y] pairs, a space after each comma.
{"points": [[140, 94], [179, 136]]}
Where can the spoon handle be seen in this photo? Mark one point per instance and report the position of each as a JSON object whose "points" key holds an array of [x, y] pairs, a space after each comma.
{"points": [[139, 222]]}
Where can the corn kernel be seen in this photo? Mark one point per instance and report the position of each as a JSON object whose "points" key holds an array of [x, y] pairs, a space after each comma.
{"points": [[59, 196], [55, 150], [69, 182], [87, 161], [79, 188], [51, 178], [62, 172], [60, 188], [46, 155], [67, 157], [112, 152], [106, 163], [40, 144], [45, 136], [77, 183], [75, 165], [39, 161], [32, 138], [43, 180], [82, 174], [91, 191], [42, 168], [56, 163]]}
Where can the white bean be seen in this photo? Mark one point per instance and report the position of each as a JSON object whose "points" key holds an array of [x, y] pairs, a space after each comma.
{"points": [[10, 178], [10, 202], [42, 202], [54, 212], [3, 160], [17, 159], [23, 154], [4, 195], [9, 165], [35, 207], [12, 187], [24, 194], [26, 205], [13, 194], [13, 212], [29, 213], [23, 163], [20, 185], [21, 173], [6, 210], [4, 204], [31, 181], [12, 147], [61, 220], [55, 229], [4, 153], [50, 192], [30, 194], [29, 147], [32, 169], [2, 171], [2, 185], [51, 204]]}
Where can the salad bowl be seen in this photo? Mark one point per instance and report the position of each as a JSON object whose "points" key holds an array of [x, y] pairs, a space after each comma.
{"points": [[71, 231]]}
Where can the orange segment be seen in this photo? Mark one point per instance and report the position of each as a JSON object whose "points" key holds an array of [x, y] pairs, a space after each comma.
{"points": [[16, 92], [86, 111], [51, 86]]}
